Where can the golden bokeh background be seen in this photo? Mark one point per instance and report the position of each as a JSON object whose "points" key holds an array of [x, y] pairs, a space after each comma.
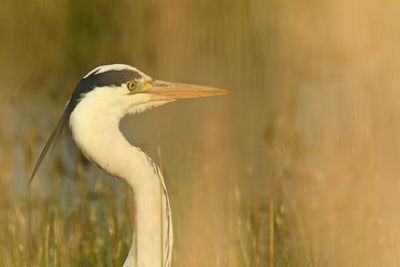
{"points": [[299, 166]]}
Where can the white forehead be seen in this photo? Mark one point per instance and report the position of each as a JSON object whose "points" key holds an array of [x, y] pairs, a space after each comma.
{"points": [[104, 68]]}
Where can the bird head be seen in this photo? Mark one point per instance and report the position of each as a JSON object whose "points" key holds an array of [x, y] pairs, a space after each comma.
{"points": [[129, 90], [122, 89]]}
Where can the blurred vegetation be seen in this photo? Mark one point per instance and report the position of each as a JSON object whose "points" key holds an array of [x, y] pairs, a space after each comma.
{"points": [[313, 112]]}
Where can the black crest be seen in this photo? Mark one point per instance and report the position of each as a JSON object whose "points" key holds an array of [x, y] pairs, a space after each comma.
{"points": [[87, 84], [108, 78]]}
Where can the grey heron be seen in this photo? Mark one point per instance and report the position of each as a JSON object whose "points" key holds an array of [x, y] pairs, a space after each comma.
{"points": [[98, 103]]}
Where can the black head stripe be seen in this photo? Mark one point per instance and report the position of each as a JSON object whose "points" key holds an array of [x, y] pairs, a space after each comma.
{"points": [[87, 84], [108, 78]]}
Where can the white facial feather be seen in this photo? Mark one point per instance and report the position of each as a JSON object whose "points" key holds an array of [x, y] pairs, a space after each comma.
{"points": [[136, 109], [113, 102]]}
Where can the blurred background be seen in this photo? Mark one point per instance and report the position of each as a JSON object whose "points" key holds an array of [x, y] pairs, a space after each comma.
{"points": [[299, 166]]}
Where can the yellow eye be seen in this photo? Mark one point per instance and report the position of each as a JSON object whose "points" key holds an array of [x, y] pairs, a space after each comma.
{"points": [[131, 85]]}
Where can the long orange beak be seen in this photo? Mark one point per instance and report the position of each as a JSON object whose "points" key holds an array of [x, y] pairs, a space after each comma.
{"points": [[162, 90]]}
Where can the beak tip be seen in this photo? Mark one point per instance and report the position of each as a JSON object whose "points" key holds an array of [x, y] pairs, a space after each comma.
{"points": [[225, 91]]}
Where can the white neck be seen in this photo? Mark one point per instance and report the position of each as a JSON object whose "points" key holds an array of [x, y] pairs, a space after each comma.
{"points": [[96, 132]]}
